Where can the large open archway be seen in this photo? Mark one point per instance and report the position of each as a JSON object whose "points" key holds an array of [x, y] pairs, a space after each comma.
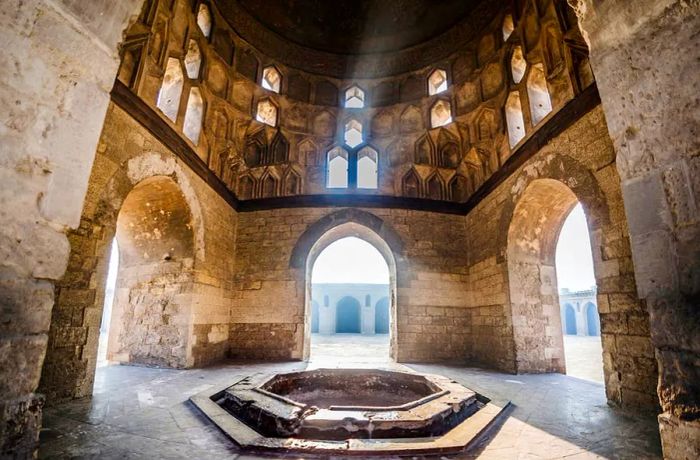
{"points": [[347, 276], [346, 305], [336, 226], [532, 239]]}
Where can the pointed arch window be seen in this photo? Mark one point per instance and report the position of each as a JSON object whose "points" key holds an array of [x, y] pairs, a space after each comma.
{"points": [[367, 161], [440, 114], [437, 82], [193, 60], [204, 19], [514, 119], [171, 89], [518, 64], [508, 26], [538, 94], [192, 126], [266, 112], [337, 168], [271, 79], [354, 98], [353, 133]]}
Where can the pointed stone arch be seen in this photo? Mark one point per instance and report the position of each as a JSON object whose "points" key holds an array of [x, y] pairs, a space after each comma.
{"points": [[307, 152], [435, 187], [269, 184], [382, 124], [291, 183], [255, 151], [486, 125], [424, 151], [411, 184], [459, 188], [246, 187], [341, 224], [279, 150], [449, 155]]}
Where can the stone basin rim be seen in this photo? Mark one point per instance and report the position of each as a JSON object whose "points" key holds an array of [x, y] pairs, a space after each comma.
{"points": [[418, 388], [401, 407], [460, 439]]}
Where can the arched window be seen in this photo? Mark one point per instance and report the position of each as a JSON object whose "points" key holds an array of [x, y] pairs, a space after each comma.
{"points": [[440, 114], [353, 133], [508, 26], [354, 98], [518, 65], [437, 82], [271, 79], [171, 89], [367, 168], [537, 92], [192, 125], [266, 112], [514, 119], [337, 168], [193, 60], [204, 19]]}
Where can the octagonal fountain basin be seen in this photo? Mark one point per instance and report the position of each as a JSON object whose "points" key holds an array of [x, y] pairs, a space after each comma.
{"points": [[332, 410]]}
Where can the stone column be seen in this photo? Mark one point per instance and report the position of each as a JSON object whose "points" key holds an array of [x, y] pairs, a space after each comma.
{"points": [[646, 59]]}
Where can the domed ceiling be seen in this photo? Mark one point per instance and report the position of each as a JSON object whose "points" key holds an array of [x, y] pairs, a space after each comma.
{"points": [[358, 26], [357, 38]]}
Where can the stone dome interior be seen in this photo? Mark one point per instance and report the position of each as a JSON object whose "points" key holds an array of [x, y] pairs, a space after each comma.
{"points": [[356, 27]]}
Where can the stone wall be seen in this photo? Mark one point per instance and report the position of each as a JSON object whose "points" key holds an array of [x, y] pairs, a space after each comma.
{"points": [[177, 245], [517, 333], [463, 291], [646, 60], [269, 310], [59, 60]]}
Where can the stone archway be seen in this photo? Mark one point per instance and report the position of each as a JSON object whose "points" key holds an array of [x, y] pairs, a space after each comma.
{"points": [[71, 358], [532, 239], [338, 225], [156, 259], [541, 197]]}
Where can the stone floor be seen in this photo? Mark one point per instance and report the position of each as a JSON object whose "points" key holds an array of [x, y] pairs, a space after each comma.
{"points": [[141, 412], [584, 357]]}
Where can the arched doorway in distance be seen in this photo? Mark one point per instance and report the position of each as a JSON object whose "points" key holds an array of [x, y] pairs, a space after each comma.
{"points": [[347, 318], [381, 316], [569, 320]]}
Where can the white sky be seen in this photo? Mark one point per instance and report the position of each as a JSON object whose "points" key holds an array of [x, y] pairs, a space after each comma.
{"points": [[574, 257], [350, 260]]}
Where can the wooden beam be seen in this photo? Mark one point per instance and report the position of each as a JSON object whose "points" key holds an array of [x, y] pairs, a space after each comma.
{"points": [[165, 133]]}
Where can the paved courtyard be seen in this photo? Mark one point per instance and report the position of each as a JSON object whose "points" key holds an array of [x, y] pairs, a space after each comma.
{"points": [[584, 357], [143, 413]]}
